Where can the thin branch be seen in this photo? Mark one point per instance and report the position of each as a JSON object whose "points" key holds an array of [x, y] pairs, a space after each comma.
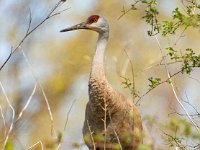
{"points": [[181, 35], [187, 102], [4, 121], [66, 122], [30, 21], [133, 75], [58, 13], [161, 63], [163, 57], [69, 113], [29, 32], [118, 140], [49, 110], [195, 79], [124, 12], [170, 63], [173, 88], [181, 114], [104, 123], [43, 93], [58, 147], [7, 59], [27, 103], [13, 116], [91, 135], [168, 80], [39, 142], [194, 115]]}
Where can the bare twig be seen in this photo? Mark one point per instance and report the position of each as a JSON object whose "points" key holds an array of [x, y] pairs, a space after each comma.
{"points": [[91, 135], [39, 142], [27, 103], [43, 93], [194, 115], [69, 113], [30, 21], [115, 132], [4, 121], [58, 147], [181, 35], [198, 81], [161, 63], [49, 110], [170, 63], [168, 80], [104, 122], [13, 116], [7, 59], [132, 72], [58, 13], [182, 114], [187, 102], [29, 32], [124, 12], [105, 129]]}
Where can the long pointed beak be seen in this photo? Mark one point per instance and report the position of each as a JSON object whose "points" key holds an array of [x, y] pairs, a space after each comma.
{"points": [[76, 27]]}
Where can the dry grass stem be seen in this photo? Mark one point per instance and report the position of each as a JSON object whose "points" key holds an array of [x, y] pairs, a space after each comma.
{"points": [[39, 142], [104, 122], [27, 103], [115, 132], [91, 136], [4, 121], [13, 116], [69, 113], [43, 93]]}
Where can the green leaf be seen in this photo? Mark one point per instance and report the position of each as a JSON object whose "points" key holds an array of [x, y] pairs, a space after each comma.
{"points": [[154, 82]]}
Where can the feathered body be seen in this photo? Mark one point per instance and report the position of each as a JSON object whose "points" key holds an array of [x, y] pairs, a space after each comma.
{"points": [[123, 121]]}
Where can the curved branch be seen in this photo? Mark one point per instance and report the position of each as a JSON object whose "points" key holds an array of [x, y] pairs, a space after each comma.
{"points": [[29, 32]]}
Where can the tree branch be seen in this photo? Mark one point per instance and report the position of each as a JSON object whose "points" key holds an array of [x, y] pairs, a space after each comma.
{"points": [[29, 32]]}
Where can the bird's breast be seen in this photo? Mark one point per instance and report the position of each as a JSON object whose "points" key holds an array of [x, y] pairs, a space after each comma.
{"points": [[101, 96], [98, 90]]}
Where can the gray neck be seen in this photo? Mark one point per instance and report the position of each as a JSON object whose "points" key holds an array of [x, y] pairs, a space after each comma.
{"points": [[98, 59]]}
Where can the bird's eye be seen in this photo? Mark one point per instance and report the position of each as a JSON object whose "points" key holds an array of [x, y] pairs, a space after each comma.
{"points": [[92, 19]]}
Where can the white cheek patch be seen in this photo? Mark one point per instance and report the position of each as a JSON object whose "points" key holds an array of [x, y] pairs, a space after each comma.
{"points": [[95, 24], [99, 23]]}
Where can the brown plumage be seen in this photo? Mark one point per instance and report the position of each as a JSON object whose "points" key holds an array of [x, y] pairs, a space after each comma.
{"points": [[112, 121]]}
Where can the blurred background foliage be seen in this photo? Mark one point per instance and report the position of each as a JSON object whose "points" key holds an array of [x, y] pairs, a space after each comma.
{"points": [[61, 63]]}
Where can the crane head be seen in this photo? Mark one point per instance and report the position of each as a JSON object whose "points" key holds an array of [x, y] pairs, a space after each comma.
{"points": [[95, 22]]}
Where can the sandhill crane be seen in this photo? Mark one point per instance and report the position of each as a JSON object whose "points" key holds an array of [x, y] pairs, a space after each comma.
{"points": [[112, 121]]}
